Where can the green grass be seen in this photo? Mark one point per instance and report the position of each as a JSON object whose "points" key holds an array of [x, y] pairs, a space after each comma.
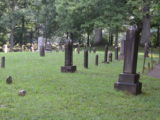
{"points": [[87, 94]]}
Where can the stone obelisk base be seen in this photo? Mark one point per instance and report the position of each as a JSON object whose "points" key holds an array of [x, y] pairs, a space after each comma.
{"points": [[129, 83], [68, 69]]}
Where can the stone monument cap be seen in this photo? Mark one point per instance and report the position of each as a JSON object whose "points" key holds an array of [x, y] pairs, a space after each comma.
{"points": [[134, 27]]}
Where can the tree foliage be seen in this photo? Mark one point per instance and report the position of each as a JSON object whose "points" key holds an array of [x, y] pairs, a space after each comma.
{"points": [[22, 21]]}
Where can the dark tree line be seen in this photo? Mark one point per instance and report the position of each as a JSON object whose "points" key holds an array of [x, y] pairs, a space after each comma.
{"points": [[22, 21]]}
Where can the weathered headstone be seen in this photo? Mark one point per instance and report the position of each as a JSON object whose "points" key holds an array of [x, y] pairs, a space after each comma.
{"points": [[78, 49], [94, 50], [9, 80], [96, 60], [116, 53], [5, 49], [106, 54], [42, 51], [68, 58], [85, 58], [129, 79], [121, 56], [22, 93], [110, 56], [3, 62], [41, 42], [48, 47]]}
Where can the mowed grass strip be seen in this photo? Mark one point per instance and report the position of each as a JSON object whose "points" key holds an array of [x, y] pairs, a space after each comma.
{"points": [[87, 94]]}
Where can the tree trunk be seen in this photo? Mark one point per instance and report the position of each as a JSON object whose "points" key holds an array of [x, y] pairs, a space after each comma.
{"points": [[31, 36], [88, 41], [46, 23], [116, 37], [37, 30], [72, 36], [12, 6], [145, 37], [67, 35], [23, 32], [110, 38], [139, 29], [158, 36], [12, 38]]}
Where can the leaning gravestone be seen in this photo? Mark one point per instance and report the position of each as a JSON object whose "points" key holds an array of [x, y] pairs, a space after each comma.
{"points": [[68, 58], [129, 79]]}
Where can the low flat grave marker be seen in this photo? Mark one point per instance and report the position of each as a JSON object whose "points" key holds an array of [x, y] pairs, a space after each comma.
{"points": [[9, 80], [21, 92]]}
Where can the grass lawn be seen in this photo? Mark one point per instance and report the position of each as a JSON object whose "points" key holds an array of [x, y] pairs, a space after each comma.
{"points": [[87, 94]]}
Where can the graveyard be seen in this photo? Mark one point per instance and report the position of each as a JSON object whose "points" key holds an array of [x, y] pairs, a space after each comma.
{"points": [[85, 94], [79, 60]]}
